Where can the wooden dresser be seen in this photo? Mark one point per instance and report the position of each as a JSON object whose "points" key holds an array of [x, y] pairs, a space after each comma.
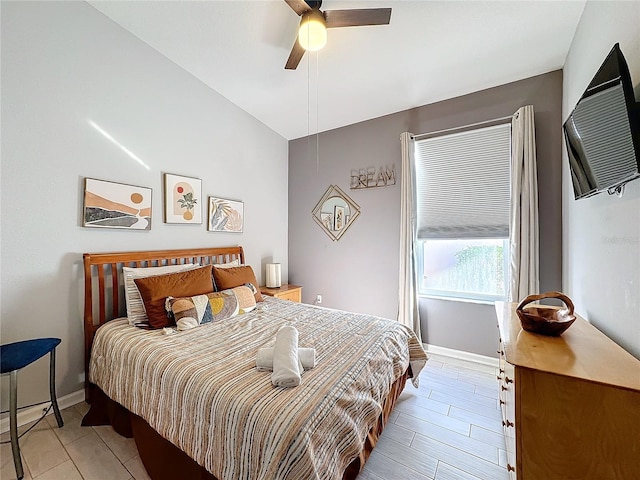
{"points": [[570, 404], [285, 292]]}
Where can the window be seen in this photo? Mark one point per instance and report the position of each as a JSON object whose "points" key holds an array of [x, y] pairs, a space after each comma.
{"points": [[463, 200], [470, 268]]}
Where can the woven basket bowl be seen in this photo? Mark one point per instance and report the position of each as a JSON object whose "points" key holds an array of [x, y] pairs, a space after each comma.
{"points": [[546, 320]]}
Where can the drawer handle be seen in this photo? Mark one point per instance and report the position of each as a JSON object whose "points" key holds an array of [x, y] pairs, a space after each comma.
{"points": [[500, 352], [503, 387], [507, 423], [498, 377], [510, 468], [502, 402], [501, 370], [508, 380]]}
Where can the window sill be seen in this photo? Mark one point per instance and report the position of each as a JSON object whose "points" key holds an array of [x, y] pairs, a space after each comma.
{"points": [[458, 299]]}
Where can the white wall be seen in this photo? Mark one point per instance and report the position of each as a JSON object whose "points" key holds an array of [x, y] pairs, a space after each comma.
{"points": [[64, 64], [601, 244]]}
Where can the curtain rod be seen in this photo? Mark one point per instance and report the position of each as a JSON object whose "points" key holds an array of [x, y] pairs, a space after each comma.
{"points": [[486, 123]]}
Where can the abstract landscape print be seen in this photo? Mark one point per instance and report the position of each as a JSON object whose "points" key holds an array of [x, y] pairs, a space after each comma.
{"points": [[116, 205], [182, 199], [225, 215]]}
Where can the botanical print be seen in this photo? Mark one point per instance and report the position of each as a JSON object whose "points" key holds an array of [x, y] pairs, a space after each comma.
{"points": [[182, 199], [116, 205], [225, 215]]}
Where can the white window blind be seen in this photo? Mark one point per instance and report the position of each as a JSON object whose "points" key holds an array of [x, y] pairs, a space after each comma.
{"points": [[463, 184]]}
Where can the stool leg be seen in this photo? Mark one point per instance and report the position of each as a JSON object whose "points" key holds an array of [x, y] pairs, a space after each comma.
{"points": [[52, 388], [13, 423]]}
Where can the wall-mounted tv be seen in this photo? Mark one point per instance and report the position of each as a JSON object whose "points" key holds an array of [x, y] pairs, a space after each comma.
{"points": [[602, 134]]}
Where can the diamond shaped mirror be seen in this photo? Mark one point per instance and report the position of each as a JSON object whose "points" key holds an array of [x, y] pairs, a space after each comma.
{"points": [[335, 212]]}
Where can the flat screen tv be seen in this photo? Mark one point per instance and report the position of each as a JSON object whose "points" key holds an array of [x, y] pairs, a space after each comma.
{"points": [[602, 134]]}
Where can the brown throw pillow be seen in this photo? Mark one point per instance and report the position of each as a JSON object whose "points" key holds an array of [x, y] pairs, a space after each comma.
{"points": [[155, 290], [226, 278]]}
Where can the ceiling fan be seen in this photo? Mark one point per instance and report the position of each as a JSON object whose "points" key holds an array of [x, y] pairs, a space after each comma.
{"points": [[312, 34]]}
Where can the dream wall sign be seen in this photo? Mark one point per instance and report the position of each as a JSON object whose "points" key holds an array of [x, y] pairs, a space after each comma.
{"points": [[371, 178]]}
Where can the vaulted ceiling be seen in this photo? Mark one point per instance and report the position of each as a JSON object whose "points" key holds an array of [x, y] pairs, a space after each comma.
{"points": [[431, 51]]}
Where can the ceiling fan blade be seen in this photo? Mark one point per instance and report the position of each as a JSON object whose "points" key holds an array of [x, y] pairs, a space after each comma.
{"points": [[295, 56], [298, 6], [357, 17]]}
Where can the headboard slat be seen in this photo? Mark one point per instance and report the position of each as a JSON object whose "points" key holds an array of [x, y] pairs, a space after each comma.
{"points": [[102, 298], [106, 300], [115, 289]]}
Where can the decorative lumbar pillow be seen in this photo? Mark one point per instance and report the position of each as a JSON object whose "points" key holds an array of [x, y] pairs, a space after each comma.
{"points": [[190, 312], [155, 290], [135, 307], [226, 278], [246, 298]]}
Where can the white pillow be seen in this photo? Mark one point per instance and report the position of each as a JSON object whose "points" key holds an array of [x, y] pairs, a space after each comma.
{"points": [[231, 264], [135, 307]]}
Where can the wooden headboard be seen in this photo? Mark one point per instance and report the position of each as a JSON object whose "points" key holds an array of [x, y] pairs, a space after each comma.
{"points": [[104, 283]]}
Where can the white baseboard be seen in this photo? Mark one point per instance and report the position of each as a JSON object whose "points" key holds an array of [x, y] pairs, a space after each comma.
{"points": [[31, 414], [461, 355]]}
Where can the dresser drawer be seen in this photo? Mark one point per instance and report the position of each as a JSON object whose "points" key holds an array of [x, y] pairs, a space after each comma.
{"points": [[508, 390]]}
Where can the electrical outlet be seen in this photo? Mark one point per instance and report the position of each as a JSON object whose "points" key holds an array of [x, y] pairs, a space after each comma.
{"points": [[318, 299]]}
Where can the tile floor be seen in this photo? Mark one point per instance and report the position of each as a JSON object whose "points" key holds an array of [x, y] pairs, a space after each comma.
{"points": [[448, 429]]}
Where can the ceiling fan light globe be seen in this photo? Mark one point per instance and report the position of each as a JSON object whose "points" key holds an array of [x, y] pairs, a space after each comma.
{"points": [[312, 34]]}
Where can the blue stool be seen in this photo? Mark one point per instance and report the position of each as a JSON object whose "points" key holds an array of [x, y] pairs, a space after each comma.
{"points": [[15, 356]]}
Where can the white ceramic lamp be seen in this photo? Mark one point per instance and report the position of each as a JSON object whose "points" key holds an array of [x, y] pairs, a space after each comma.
{"points": [[274, 275]]}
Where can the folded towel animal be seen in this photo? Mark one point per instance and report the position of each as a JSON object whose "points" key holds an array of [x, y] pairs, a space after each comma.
{"points": [[286, 363], [264, 358]]}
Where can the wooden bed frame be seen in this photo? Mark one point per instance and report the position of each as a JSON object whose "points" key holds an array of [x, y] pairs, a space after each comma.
{"points": [[104, 283], [104, 301]]}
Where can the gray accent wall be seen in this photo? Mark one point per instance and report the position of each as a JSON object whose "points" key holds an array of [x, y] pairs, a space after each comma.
{"points": [[602, 233], [360, 271], [65, 64]]}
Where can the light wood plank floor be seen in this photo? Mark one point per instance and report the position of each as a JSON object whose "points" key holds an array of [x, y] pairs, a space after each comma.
{"points": [[448, 429]]}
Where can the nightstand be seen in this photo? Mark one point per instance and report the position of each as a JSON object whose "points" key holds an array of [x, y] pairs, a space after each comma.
{"points": [[285, 292]]}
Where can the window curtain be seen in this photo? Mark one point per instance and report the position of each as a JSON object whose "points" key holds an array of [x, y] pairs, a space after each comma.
{"points": [[524, 235], [408, 312]]}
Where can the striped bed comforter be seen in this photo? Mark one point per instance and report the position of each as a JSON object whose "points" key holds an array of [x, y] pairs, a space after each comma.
{"points": [[200, 388]]}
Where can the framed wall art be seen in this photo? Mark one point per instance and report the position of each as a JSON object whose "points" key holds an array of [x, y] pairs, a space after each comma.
{"points": [[225, 215], [182, 199], [116, 205]]}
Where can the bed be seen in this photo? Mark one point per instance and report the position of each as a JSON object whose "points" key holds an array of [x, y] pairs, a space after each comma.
{"points": [[196, 404]]}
